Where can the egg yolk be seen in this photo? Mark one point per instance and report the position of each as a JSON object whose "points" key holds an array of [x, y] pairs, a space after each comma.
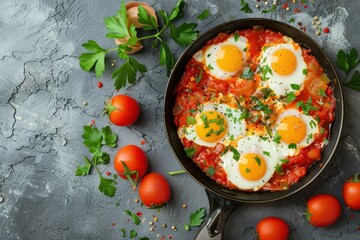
{"points": [[229, 58], [211, 127], [252, 166], [283, 62], [291, 129]]}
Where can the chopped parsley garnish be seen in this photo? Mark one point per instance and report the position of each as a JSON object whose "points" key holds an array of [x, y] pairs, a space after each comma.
{"points": [[277, 138], [322, 92], [263, 138], [305, 71], [236, 36], [236, 154], [199, 76], [290, 97], [247, 74], [295, 86], [210, 171], [307, 106], [210, 67], [266, 153], [312, 124], [258, 160], [326, 141], [278, 169], [245, 114], [284, 160], [204, 118], [268, 92], [189, 151], [309, 138], [292, 146], [247, 170], [190, 120]]}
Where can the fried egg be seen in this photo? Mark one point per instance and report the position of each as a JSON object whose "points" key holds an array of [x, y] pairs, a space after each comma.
{"points": [[224, 60], [251, 164], [283, 68], [293, 131], [212, 124]]}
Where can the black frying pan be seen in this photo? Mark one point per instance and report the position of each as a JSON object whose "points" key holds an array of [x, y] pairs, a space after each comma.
{"points": [[223, 201]]}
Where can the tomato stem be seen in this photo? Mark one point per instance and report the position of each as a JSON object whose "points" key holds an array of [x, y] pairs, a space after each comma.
{"points": [[176, 172]]}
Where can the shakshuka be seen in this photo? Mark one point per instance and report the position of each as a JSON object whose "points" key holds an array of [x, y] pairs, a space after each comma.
{"points": [[253, 110]]}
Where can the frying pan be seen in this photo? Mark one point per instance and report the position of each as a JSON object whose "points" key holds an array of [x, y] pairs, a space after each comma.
{"points": [[223, 201]]}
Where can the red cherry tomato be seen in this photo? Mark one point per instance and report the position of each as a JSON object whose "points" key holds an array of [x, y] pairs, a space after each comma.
{"points": [[122, 110], [323, 210], [131, 163], [154, 190], [272, 228], [351, 192]]}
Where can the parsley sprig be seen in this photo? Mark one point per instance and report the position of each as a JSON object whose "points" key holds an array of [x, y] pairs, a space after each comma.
{"points": [[94, 139], [118, 28], [196, 219], [347, 61]]}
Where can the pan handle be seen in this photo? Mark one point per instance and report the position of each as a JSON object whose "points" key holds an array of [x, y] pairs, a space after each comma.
{"points": [[220, 210]]}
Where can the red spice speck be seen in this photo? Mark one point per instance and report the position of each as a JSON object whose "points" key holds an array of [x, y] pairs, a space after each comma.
{"points": [[306, 6], [108, 173], [297, 10], [100, 84], [93, 122], [170, 237], [358, 228], [352, 216], [113, 224], [326, 30], [143, 142], [139, 214], [285, 5]]}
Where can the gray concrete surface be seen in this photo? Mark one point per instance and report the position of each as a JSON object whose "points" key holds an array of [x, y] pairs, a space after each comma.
{"points": [[42, 90]]}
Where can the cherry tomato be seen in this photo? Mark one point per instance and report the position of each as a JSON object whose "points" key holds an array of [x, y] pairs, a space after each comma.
{"points": [[271, 228], [323, 210], [131, 163], [351, 192], [154, 190], [122, 110]]}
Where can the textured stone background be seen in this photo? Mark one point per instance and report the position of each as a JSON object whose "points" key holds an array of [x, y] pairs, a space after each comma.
{"points": [[42, 90]]}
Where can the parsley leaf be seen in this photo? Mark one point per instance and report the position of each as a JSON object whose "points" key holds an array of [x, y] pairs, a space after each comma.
{"points": [[190, 120], [177, 12], [133, 233], [133, 216], [146, 19], [184, 35], [245, 7], [166, 58], [245, 114], [107, 186], [197, 218], [295, 86], [96, 57], [205, 14], [292, 20], [292, 146], [258, 160], [109, 137], [127, 73], [354, 82], [92, 137], [83, 170], [277, 138], [322, 92]]}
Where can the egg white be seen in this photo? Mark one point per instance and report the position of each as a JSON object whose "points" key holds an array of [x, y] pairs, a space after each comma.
{"points": [[236, 126], [281, 84], [251, 144], [312, 128], [208, 57]]}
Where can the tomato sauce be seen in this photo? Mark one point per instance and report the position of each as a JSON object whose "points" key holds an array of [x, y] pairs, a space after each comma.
{"points": [[192, 91]]}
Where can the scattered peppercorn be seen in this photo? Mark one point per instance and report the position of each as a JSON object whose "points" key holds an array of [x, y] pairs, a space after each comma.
{"points": [[155, 219], [164, 225], [173, 228], [151, 229], [136, 200], [326, 30], [85, 103], [100, 84], [93, 122], [184, 205], [108, 173], [151, 223]]}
